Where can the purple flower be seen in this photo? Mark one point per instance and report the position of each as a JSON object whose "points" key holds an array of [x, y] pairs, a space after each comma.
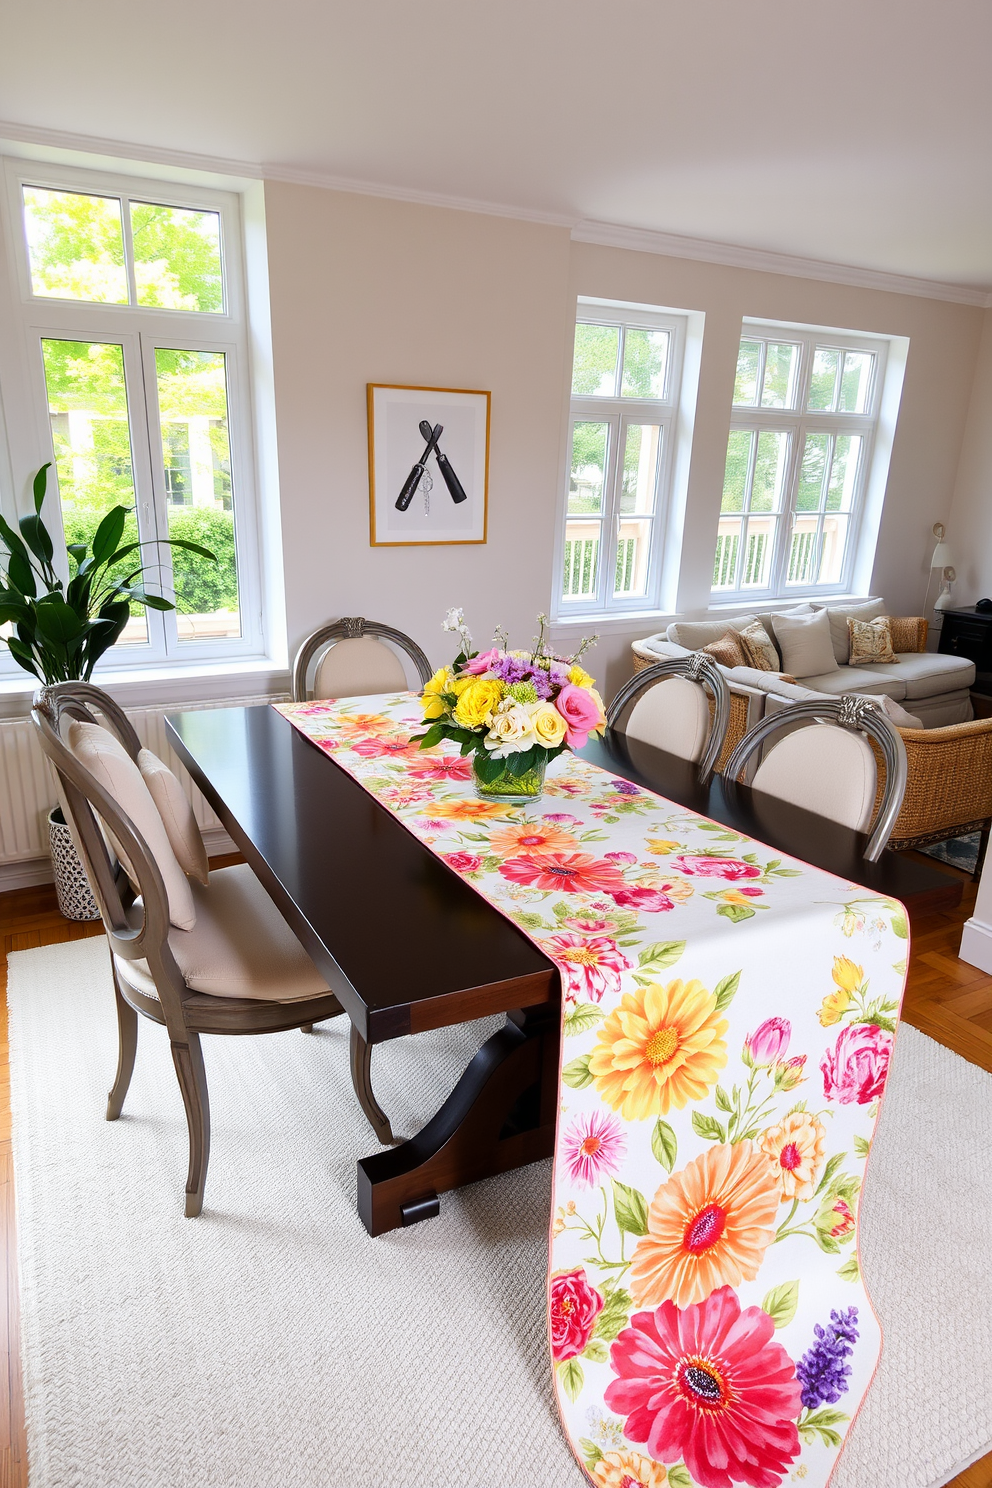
{"points": [[823, 1370], [625, 788]]}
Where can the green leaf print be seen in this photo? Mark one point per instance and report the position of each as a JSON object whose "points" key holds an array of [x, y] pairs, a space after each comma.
{"points": [[571, 1376], [657, 957], [583, 1016], [850, 1271], [577, 1073], [820, 1422], [664, 1144], [726, 988], [678, 1476], [630, 1208], [708, 1127], [862, 1146], [615, 1314], [781, 1303], [736, 912], [590, 1452]]}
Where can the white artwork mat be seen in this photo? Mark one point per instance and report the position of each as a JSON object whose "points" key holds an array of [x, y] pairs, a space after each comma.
{"points": [[396, 445]]}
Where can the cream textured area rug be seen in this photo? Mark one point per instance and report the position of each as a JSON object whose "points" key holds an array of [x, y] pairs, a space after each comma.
{"points": [[272, 1344]]}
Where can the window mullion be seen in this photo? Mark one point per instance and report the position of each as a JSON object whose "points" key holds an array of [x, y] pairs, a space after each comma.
{"points": [[611, 508], [797, 439], [132, 285], [144, 489]]}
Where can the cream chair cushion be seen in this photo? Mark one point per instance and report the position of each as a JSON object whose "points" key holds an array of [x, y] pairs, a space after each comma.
{"points": [[240, 946], [825, 769], [98, 751], [177, 815], [673, 715], [357, 668], [804, 643]]}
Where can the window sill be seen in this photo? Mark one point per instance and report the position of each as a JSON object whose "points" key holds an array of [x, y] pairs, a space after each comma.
{"points": [[765, 606], [210, 682], [632, 622]]}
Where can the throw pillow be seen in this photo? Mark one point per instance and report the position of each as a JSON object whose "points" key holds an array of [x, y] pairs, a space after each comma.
{"points": [[908, 632], [870, 610], [728, 650], [177, 815], [804, 641], [764, 657], [871, 642]]}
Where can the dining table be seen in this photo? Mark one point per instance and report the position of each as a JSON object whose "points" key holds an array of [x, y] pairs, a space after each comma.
{"points": [[408, 945]]}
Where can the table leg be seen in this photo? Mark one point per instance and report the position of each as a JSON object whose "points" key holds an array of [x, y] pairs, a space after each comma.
{"points": [[500, 1115]]}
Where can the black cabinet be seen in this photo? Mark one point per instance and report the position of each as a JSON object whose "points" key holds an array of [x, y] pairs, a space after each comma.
{"points": [[968, 633]]}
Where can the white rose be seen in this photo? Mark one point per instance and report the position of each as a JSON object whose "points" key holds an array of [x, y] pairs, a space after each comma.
{"points": [[510, 732]]}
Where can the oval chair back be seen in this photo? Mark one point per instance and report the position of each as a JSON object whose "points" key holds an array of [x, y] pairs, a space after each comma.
{"points": [[677, 718], [827, 765], [349, 660]]}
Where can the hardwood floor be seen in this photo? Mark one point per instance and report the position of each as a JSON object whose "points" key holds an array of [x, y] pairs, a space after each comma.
{"points": [[945, 998]]}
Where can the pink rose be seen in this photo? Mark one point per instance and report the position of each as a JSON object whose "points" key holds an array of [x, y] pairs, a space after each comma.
{"points": [[707, 867], [462, 862], [581, 713], [651, 901], [622, 857], [481, 663], [575, 1306], [856, 1067], [769, 1041]]}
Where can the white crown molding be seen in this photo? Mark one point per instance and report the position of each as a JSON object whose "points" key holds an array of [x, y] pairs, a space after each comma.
{"points": [[672, 245], [34, 142]]}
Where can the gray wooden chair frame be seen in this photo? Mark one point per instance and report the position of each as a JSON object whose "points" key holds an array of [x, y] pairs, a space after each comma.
{"points": [[352, 628], [185, 1013], [847, 712], [696, 667]]}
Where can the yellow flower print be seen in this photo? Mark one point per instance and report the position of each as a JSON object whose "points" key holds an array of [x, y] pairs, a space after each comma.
{"points": [[662, 1047], [833, 1008], [846, 974], [661, 846]]}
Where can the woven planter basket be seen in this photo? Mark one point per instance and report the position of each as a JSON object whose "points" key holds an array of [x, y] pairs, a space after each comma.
{"points": [[72, 887]]}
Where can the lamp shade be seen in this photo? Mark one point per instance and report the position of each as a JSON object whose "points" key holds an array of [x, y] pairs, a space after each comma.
{"points": [[942, 556]]}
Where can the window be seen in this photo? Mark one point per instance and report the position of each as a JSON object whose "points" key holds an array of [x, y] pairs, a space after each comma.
{"points": [[805, 410], [625, 392], [136, 369]]}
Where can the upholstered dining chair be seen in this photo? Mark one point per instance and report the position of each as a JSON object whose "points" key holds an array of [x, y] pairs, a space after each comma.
{"points": [[676, 716], [204, 953], [348, 658], [825, 763]]}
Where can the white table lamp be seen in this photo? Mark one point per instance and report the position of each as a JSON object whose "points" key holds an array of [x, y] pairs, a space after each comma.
{"points": [[942, 559]]}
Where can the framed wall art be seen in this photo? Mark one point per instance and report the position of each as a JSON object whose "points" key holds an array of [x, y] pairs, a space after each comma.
{"points": [[428, 465]]}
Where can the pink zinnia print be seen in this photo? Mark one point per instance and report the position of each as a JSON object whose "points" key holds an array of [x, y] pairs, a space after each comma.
{"points": [[591, 965], [451, 768], [708, 1384], [650, 901], [707, 867], [573, 873], [400, 748], [593, 1147]]}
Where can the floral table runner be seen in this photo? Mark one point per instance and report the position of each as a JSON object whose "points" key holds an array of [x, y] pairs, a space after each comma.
{"points": [[728, 1018]]}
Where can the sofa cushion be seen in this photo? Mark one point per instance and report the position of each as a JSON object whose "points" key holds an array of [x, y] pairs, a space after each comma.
{"points": [[878, 679], [871, 642], [928, 673], [761, 647], [768, 621], [839, 617], [730, 650], [804, 642], [694, 634]]}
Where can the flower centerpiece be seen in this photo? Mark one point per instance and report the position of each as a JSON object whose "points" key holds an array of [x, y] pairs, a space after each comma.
{"points": [[512, 711]]}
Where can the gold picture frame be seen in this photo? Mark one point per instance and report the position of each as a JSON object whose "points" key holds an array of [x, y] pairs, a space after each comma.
{"points": [[449, 499]]}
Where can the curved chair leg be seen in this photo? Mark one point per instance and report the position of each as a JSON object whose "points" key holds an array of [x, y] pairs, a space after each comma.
{"points": [[127, 1040], [188, 1059], [361, 1079]]}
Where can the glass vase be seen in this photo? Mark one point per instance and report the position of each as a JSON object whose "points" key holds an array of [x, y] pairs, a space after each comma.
{"points": [[515, 789]]}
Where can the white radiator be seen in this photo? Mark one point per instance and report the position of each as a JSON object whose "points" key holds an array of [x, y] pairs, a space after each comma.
{"points": [[27, 789]]}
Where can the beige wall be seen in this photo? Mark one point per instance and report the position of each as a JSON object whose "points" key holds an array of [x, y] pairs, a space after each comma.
{"points": [[969, 529], [365, 289]]}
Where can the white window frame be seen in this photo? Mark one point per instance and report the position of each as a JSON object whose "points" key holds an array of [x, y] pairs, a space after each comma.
{"points": [[618, 413], [797, 422], [140, 330]]}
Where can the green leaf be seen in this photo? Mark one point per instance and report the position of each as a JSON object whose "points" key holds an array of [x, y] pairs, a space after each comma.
{"points": [[571, 1376], [708, 1127], [723, 1101], [781, 1303], [20, 574], [664, 1144], [861, 1146], [829, 1171], [615, 1314], [736, 912], [583, 1016], [850, 1271], [40, 485], [22, 655], [664, 953], [631, 1209], [678, 1476], [36, 535], [726, 988], [56, 620], [433, 736], [899, 926], [590, 1452], [154, 601], [596, 1351], [108, 534], [189, 547], [576, 1075]]}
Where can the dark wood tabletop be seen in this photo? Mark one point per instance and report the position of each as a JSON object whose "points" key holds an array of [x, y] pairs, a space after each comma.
{"points": [[408, 945]]}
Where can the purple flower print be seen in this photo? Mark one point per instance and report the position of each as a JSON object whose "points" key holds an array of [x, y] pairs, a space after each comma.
{"points": [[823, 1371], [625, 788]]}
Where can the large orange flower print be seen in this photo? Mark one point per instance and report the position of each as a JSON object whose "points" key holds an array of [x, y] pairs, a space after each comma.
{"points": [[466, 810], [708, 1226], [662, 1047], [521, 837], [573, 873]]}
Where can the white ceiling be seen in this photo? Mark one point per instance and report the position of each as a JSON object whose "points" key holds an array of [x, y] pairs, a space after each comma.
{"points": [[858, 133]]}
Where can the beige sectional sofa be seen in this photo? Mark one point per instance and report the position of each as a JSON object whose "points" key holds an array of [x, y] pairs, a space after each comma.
{"points": [[933, 689]]}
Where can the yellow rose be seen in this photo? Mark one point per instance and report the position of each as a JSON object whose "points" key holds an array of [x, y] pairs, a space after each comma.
{"points": [[476, 704], [548, 725], [602, 710], [579, 677], [834, 1005], [434, 707], [847, 976], [459, 685], [661, 846]]}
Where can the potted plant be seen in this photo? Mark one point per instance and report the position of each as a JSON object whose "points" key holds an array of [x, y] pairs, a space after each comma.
{"points": [[513, 711], [60, 630]]}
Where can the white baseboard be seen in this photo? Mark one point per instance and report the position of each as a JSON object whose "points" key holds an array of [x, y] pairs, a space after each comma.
{"points": [[976, 944], [28, 872]]}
